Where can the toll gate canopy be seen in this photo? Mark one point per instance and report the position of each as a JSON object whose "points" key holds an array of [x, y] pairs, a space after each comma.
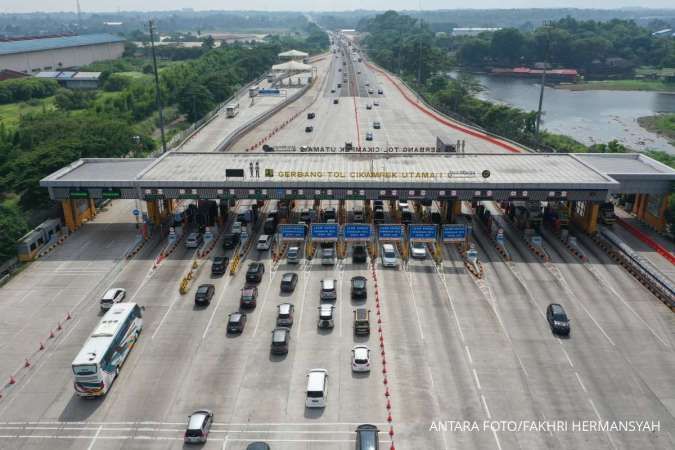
{"points": [[362, 175]]}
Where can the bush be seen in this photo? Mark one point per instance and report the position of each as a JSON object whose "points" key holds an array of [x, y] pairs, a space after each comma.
{"points": [[68, 100], [23, 89], [116, 82]]}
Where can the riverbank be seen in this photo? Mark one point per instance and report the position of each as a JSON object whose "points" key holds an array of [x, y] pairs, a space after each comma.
{"points": [[663, 124], [620, 85]]}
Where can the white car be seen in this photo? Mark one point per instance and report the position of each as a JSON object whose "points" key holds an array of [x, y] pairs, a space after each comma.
{"points": [[360, 359], [236, 228], [328, 289], [112, 296], [293, 254], [418, 250], [264, 242], [389, 256], [194, 240]]}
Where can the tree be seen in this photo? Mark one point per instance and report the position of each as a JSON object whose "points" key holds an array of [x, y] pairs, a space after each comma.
{"points": [[13, 226], [208, 42], [195, 101], [68, 100], [506, 46]]}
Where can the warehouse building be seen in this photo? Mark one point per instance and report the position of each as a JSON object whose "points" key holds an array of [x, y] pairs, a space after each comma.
{"points": [[55, 53]]}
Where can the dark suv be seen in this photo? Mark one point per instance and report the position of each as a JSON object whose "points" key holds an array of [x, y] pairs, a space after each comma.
{"points": [[281, 337], [288, 282], [359, 254], [204, 294], [219, 265], [557, 319], [359, 287], [367, 437], [255, 272], [249, 296], [230, 240], [236, 322]]}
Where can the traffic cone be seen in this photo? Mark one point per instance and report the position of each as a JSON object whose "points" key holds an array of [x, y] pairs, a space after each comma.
{"points": [[389, 418], [68, 316], [392, 447], [59, 328], [42, 346], [386, 392], [51, 334], [26, 364], [388, 404], [385, 380], [391, 431], [12, 380]]}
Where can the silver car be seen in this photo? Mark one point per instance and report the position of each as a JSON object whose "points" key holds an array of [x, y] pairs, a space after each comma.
{"points": [[199, 424]]}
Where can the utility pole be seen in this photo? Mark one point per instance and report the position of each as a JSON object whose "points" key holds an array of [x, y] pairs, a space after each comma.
{"points": [[158, 97], [79, 16], [543, 81]]}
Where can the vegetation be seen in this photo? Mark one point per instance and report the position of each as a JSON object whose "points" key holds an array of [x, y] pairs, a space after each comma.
{"points": [[663, 124], [593, 47], [621, 85], [118, 121], [23, 89]]}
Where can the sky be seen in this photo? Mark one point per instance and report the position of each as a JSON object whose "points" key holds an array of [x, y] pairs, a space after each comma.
{"points": [[314, 5]]}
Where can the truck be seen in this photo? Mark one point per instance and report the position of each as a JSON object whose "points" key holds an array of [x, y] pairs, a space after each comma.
{"points": [[606, 214]]}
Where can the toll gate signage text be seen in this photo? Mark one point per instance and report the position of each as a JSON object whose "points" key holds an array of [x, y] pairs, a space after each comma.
{"points": [[390, 232], [422, 232], [454, 233], [325, 231], [357, 231], [292, 232]]}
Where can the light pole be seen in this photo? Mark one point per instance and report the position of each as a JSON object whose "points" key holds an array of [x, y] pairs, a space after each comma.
{"points": [[543, 81], [158, 97]]}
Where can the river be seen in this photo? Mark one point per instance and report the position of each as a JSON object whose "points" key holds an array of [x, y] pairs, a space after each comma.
{"points": [[588, 116]]}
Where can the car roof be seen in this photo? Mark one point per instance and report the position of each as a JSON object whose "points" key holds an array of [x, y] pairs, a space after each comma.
{"points": [[360, 351], [285, 307], [219, 259], [197, 418], [254, 265], [327, 283], [236, 316], [388, 247], [257, 446], [279, 334], [366, 427], [248, 290], [264, 237], [110, 293], [326, 307], [204, 287], [288, 276], [359, 278], [557, 308]]}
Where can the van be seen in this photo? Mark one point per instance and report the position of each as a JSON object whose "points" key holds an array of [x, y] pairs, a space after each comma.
{"points": [[264, 242], [270, 226], [317, 388], [389, 256], [293, 255], [361, 321]]}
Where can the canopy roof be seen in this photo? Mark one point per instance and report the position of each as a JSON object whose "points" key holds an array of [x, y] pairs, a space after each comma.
{"points": [[292, 66], [293, 54]]}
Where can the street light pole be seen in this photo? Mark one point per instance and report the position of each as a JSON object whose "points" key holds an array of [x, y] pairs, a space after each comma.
{"points": [[158, 97], [543, 82]]}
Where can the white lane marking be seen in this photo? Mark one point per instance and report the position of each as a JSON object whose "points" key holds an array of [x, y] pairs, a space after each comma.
{"points": [[475, 376], [580, 382], [170, 438], [341, 278], [567, 356], [233, 424], [485, 405], [563, 282], [166, 314], [595, 410], [452, 304], [604, 281], [494, 433], [307, 270], [413, 296], [264, 302], [468, 353], [225, 441], [220, 299], [38, 367], [24, 296], [93, 441], [597, 414]]}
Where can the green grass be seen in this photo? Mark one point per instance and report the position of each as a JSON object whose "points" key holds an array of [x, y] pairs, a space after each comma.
{"points": [[10, 114], [621, 85], [135, 74], [663, 124]]}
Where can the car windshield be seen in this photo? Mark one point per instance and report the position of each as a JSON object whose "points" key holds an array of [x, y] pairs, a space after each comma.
{"points": [[418, 245], [234, 318], [88, 369], [202, 290], [247, 293], [359, 282], [279, 336], [389, 254]]}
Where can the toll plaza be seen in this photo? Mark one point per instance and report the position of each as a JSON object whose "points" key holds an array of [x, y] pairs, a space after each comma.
{"points": [[582, 183]]}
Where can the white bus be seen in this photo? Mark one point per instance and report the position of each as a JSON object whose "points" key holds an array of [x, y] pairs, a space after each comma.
{"points": [[232, 109], [98, 363]]}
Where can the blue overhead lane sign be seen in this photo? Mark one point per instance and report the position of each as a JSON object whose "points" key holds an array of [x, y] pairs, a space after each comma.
{"points": [[357, 231], [325, 231], [422, 232], [390, 232], [292, 232], [454, 233]]}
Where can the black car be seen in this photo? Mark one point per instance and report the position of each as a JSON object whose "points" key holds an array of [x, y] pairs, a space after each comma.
{"points": [[557, 319], [257, 446], [309, 129], [236, 322], [311, 115], [335, 101], [255, 272], [359, 287], [204, 294], [359, 254], [367, 437], [249, 297], [288, 282], [219, 265], [281, 337], [267, 148], [230, 240], [270, 226]]}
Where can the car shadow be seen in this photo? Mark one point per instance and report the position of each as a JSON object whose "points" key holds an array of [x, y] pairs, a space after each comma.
{"points": [[324, 331], [314, 413], [361, 339], [278, 358], [360, 375]]}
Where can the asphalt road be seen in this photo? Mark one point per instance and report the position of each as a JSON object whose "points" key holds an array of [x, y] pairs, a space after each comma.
{"points": [[457, 348]]}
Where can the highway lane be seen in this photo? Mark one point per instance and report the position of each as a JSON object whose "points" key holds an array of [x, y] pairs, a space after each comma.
{"points": [[604, 354]]}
